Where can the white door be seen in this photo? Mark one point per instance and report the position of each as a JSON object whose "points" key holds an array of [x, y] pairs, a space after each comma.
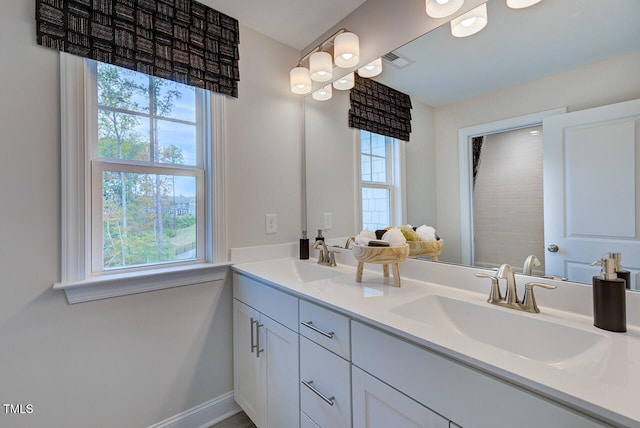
{"points": [[279, 370], [377, 405], [591, 190]]}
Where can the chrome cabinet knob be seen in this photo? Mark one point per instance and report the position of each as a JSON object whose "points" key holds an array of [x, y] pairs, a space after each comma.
{"points": [[553, 248]]}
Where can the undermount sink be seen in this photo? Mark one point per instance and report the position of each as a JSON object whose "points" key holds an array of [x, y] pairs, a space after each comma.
{"points": [[522, 334], [299, 271]]}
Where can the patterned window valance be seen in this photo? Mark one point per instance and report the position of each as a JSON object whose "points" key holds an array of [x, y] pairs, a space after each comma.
{"points": [[380, 109], [181, 40]]}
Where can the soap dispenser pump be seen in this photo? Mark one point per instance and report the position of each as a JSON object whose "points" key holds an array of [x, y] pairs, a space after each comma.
{"points": [[609, 304], [620, 271]]}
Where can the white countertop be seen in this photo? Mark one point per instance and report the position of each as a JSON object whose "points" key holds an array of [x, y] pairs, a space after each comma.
{"points": [[604, 382]]}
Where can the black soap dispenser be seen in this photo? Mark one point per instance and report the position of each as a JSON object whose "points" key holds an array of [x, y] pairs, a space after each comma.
{"points": [[304, 246], [319, 237], [609, 304], [620, 272]]}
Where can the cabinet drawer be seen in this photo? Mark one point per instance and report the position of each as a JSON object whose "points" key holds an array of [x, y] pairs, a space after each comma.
{"points": [[460, 393], [325, 327], [325, 390], [276, 304]]}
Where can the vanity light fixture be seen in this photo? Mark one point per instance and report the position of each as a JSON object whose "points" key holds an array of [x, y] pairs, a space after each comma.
{"points": [[521, 4], [323, 93], [470, 22], [372, 69], [443, 8], [345, 83], [321, 66], [346, 54]]}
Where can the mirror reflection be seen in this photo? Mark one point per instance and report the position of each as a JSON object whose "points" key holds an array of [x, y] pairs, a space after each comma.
{"points": [[554, 55]]}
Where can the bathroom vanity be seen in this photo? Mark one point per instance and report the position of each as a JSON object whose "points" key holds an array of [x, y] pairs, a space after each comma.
{"points": [[314, 348]]}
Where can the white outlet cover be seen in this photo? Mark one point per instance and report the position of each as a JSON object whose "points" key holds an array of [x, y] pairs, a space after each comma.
{"points": [[328, 221], [270, 223]]}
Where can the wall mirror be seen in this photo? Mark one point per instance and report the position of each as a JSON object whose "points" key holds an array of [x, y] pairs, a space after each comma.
{"points": [[574, 54]]}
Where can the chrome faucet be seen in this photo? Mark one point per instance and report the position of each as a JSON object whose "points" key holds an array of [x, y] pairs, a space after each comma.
{"points": [[528, 303], [325, 256], [350, 240], [506, 272], [530, 262]]}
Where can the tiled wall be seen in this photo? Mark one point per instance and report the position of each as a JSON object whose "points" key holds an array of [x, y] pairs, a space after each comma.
{"points": [[508, 199]]}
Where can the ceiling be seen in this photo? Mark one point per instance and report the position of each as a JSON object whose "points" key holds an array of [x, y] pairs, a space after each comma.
{"points": [[515, 47], [296, 23]]}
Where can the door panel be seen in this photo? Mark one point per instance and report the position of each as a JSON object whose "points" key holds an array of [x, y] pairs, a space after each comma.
{"points": [[591, 203]]}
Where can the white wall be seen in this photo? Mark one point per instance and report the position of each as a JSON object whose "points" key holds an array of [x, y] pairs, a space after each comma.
{"points": [[602, 83], [136, 360], [331, 161]]}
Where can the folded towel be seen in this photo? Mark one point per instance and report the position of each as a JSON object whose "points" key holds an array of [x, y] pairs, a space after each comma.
{"points": [[427, 233]]}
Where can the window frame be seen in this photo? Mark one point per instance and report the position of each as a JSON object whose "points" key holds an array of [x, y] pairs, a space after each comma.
{"points": [[395, 164], [76, 277]]}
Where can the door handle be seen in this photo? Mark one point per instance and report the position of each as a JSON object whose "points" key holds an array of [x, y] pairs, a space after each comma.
{"points": [[553, 248]]}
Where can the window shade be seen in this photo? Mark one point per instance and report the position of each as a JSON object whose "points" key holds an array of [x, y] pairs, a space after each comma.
{"points": [[379, 109], [181, 40]]}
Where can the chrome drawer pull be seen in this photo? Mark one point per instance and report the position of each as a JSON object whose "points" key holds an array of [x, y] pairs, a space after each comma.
{"points": [[309, 384], [258, 350], [253, 346], [309, 324]]}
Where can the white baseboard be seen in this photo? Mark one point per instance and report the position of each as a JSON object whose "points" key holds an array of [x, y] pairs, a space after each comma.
{"points": [[203, 415]]}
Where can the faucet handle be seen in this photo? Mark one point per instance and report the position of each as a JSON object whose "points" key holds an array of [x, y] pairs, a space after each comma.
{"points": [[495, 295], [529, 300]]}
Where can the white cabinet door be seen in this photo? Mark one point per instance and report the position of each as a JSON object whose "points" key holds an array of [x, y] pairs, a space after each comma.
{"points": [[377, 405], [246, 366], [279, 371], [265, 369]]}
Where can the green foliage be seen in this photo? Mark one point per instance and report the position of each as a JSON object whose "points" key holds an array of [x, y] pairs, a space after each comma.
{"points": [[140, 222]]}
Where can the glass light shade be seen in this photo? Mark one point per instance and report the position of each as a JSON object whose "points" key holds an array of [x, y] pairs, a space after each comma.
{"points": [[346, 50], [521, 4], [323, 94], [471, 22], [300, 80], [443, 8], [345, 83], [321, 66], [372, 69]]}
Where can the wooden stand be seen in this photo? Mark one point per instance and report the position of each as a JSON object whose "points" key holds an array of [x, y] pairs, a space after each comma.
{"points": [[381, 255]]}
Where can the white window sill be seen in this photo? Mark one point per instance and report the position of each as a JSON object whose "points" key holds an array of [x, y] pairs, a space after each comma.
{"points": [[106, 286]]}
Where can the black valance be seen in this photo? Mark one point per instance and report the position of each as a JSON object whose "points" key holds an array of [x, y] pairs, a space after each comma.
{"points": [[380, 109], [181, 40]]}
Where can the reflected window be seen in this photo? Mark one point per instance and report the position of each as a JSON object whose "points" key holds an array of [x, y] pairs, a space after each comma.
{"points": [[379, 161]]}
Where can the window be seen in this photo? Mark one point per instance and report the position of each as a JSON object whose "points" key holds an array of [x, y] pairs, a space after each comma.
{"points": [[139, 161], [380, 160]]}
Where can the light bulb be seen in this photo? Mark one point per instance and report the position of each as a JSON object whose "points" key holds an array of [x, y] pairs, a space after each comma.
{"points": [[346, 50], [345, 82], [372, 69], [321, 67], [443, 8], [323, 93], [300, 80], [470, 22]]}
